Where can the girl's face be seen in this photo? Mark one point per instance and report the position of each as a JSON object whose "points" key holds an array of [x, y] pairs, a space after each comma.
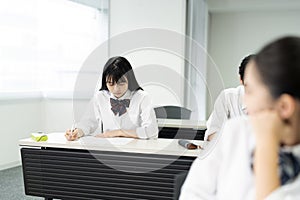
{"points": [[257, 95], [117, 89]]}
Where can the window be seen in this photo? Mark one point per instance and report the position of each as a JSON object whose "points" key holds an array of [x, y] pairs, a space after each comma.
{"points": [[43, 43]]}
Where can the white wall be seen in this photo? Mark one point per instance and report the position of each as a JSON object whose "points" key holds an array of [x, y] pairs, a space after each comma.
{"points": [[58, 114], [127, 15], [233, 35], [18, 118], [21, 117], [130, 15]]}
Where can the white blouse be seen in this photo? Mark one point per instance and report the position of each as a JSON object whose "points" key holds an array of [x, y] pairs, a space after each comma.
{"points": [[140, 115], [229, 104], [223, 170]]}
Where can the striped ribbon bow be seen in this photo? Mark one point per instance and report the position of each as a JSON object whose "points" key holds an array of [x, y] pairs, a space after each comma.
{"points": [[119, 106]]}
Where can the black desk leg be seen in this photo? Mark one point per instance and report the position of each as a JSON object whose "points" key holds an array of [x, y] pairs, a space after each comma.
{"points": [[179, 180]]}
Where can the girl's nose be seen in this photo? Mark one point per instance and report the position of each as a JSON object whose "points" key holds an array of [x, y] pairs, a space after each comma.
{"points": [[116, 87]]}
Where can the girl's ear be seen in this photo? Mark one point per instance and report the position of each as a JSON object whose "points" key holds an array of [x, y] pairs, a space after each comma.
{"points": [[286, 106], [241, 82]]}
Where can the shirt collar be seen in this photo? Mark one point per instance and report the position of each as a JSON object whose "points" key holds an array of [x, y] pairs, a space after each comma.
{"points": [[293, 149], [241, 91]]}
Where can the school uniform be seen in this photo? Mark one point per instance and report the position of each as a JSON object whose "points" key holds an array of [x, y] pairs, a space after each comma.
{"points": [[225, 172], [229, 104], [138, 116], [287, 192]]}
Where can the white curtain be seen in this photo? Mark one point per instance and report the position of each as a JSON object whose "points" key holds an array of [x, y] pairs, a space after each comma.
{"points": [[43, 43], [195, 65]]}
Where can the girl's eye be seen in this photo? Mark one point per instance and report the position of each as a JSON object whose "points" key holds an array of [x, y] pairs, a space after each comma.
{"points": [[110, 83]]}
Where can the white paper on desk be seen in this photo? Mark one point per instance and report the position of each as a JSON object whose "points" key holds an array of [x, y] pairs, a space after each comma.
{"points": [[91, 140]]}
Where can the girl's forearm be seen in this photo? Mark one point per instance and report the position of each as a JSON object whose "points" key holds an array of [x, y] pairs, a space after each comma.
{"points": [[128, 133], [266, 168]]}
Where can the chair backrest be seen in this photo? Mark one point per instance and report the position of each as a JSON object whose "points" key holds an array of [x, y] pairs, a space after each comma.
{"points": [[172, 112]]}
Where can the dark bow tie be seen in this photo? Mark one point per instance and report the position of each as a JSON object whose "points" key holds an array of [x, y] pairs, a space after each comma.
{"points": [[119, 106], [289, 167]]}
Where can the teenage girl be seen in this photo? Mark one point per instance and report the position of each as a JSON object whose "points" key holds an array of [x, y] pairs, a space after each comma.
{"points": [[121, 105]]}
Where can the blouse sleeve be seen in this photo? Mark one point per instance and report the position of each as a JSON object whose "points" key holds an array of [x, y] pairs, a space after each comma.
{"points": [[148, 127], [201, 182], [218, 116]]}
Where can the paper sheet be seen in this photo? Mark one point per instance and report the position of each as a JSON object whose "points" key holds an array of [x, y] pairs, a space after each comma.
{"points": [[91, 140]]}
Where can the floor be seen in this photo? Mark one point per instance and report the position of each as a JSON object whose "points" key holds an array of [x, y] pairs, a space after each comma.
{"points": [[12, 186]]}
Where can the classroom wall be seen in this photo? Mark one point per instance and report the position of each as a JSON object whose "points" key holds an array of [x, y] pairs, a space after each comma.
{"points": [[18, 118], [233, 35], [130, 15], [57, 115], [21, 117], [60, 114]]}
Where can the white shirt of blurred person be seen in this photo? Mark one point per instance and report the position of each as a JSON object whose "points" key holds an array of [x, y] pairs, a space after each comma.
{"points": [[229, 104]]}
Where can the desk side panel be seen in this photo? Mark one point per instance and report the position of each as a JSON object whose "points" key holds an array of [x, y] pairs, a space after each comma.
{"points": [[82, 174]]}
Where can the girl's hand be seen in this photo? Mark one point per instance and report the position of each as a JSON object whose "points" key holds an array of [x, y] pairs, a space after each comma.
{"points": [[74, 135], [268, 127], [269, 130]]}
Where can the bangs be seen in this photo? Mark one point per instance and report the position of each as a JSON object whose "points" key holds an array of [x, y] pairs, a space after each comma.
{"points": [[115, 76], [118, 70], [116, 79]]}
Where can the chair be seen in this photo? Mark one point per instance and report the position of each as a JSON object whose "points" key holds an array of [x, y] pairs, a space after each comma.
{"points": [[172, 112], [176, 112]]}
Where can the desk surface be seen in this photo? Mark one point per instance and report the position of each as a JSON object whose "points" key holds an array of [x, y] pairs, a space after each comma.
{"points": [[153, 146], [181, 123]]}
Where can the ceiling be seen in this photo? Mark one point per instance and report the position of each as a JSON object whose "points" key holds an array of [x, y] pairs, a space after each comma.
{"points": [[251, 5], [215, 6], [100, 4]]}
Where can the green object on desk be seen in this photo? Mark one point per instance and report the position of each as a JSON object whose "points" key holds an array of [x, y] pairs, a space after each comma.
{"points": [[39, 137]]}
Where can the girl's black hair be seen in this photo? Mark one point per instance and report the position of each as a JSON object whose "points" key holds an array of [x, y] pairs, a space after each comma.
{"points": [[278, 64], [117, 67], [243, 65]]}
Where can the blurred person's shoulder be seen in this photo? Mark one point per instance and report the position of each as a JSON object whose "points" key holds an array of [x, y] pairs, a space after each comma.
{"points": [[239, 90]]}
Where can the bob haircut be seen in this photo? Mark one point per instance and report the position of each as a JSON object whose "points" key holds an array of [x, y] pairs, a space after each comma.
{"points": [[115, 69]]}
